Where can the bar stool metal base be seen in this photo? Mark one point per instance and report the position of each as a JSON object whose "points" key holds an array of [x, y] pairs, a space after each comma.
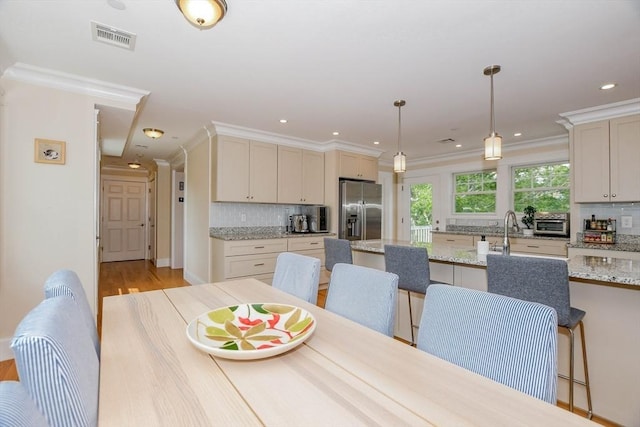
{"points": [[571, 376]]}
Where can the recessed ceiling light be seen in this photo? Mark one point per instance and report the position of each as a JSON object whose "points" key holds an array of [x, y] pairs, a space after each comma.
{"points": [[608, 86], [283, 120], [517, 134], [376, 142], [458, 145], [336, 133]]}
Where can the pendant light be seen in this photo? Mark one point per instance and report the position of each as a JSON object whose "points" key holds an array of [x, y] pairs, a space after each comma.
{"points": [[203, 14], [399, 160], [492, 143]]}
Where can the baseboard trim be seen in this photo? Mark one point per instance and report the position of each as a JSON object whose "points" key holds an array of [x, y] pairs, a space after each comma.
{"points": [[163, 262], [193, 279]]}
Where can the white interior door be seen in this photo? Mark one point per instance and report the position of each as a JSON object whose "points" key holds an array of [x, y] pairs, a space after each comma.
{"points": [[152, 221], [421, 210], [123, 222]]}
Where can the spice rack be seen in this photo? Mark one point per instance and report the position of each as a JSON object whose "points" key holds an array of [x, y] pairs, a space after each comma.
{"points": [[601, 231]]}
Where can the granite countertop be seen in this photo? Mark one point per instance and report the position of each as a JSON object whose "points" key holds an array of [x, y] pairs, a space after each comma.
{"points": [[258, 233], [494, 233], [623, 247], [609, 270]]}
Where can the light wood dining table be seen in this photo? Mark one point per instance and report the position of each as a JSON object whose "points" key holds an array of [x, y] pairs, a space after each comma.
{"points": [[343, 375]]}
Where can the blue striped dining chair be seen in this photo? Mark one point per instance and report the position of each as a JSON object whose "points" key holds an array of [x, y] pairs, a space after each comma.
{"points": [[297, 275], [67, 282], [57, 363], [17, 409], [364, 295], [511, 341]]}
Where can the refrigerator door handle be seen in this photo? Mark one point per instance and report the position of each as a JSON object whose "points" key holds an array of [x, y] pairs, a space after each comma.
{"points": [[363, 218]]}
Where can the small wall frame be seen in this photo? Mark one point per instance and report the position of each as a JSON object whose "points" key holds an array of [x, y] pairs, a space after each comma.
{"points": [[50, 151]]}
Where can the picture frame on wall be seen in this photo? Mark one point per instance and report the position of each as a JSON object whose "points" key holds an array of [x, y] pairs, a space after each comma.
{"points": [[50, 151]]}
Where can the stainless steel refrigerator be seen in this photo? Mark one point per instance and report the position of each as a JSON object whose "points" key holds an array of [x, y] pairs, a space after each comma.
{"points": [[360, 215]]}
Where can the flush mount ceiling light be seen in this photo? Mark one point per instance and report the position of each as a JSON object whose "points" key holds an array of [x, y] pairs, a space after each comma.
{"points": [[203, 14], [608, 86], [492, 143], [399, 160], [136, 163], [153, 133]]}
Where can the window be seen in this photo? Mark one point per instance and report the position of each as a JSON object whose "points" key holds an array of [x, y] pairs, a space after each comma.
{"points": [[545, 187], [475, 192]]}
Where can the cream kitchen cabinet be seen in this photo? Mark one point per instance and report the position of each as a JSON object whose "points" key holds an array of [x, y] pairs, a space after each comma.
{"points": [[461, 240], [357, 166], [605, 160], [538, 246], [245, 171], [300, 176], [257, 258]]}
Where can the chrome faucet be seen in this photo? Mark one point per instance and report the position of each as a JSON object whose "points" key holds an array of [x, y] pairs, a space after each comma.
{"points": [[506, 245]]}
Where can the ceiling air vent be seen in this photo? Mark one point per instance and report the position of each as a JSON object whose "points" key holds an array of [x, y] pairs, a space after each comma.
{"points": [[446, 140], [113, 36]]}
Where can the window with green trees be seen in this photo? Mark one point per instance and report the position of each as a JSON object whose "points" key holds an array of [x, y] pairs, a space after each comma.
{"points": [[545, 187], [475, 192]]}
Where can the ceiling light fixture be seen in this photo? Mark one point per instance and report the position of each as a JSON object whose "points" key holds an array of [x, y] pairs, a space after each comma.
{"points": [[608, 86], [153, 133], [203, 14], [492, 143], [399, 160]]}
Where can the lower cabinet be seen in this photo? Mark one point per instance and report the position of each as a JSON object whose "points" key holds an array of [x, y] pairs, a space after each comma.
{"points": [[234, 259], [539, 246], [462, 240]]}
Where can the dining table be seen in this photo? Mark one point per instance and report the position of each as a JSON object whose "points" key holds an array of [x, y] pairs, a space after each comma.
{"points": [[343, 374]]}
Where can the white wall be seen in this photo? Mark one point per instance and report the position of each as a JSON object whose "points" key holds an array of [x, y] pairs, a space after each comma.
{"points": [[47, 212], [177, 220], [197, 201]]}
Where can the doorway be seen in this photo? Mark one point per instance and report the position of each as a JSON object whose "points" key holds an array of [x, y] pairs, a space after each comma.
{"points": [[123, 224], [420, 208]]}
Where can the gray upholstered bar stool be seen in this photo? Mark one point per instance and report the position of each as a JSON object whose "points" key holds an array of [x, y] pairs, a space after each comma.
{"points": [[411, 264], [546, 281], [336, 251]]}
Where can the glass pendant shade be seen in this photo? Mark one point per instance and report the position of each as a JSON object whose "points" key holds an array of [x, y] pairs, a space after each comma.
{"points": [[493, 147], [203, 14], [492, 143], [399, 162]]}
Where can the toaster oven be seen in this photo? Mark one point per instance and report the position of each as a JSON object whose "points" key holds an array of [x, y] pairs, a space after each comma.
{"points": [[551, 224]]}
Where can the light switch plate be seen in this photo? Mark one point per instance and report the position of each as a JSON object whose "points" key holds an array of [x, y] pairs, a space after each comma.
{"points": [[626, 221]]}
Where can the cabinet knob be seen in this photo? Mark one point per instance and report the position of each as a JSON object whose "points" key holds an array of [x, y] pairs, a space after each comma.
{"points": [[613, 195], [605, 195], [247, 197]]}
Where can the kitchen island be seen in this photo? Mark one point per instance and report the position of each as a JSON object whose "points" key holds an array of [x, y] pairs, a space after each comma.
{"points": [[605, 287]]}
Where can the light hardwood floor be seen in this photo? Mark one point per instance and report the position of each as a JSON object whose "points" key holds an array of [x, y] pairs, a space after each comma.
{"points": [[127, 277]]}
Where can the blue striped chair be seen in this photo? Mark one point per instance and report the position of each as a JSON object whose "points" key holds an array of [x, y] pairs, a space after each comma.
{"points": [[545, 281], [511, 341], [67, 282], [57, 363], [364, 295], [17, 409], [297, 275]]}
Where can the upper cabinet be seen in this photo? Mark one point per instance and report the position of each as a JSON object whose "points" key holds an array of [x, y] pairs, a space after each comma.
{"points": [[300, 176], [605, 160], [245, 171], [357, 166]]}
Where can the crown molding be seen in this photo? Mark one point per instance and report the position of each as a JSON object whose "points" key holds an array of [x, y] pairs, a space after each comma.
{"points": [[602, 112], [71, 83], [274, 138], [506, 148]]}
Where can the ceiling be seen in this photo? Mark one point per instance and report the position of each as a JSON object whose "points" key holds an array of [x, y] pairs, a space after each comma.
{"points": [[338, 65]]}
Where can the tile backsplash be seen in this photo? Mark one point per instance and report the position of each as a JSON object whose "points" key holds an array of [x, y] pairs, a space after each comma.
{"points": [[614, 211], [251, 214]]}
